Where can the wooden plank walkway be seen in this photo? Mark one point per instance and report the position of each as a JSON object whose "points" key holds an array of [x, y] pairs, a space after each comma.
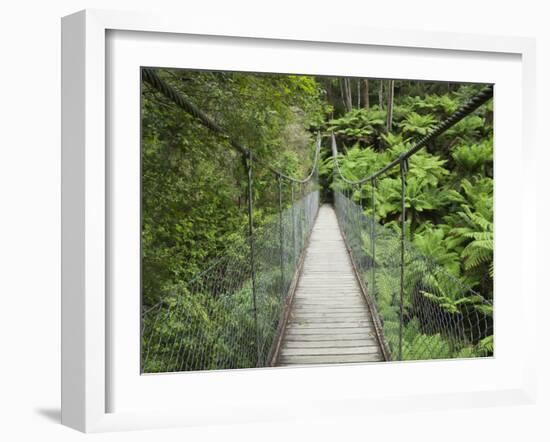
{"points": [[329, 321]]}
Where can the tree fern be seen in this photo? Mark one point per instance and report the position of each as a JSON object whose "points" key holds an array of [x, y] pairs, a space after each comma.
{"points": [[431, 243], [473, 158], [358, 123], [441, 105], [468, 129], [479, 251], [416, 124]]}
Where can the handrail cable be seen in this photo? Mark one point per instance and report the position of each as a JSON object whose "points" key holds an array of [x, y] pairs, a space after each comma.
{"points": [[151, 77]]}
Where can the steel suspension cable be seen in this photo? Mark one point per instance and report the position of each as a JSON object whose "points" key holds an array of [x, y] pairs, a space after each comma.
{"points": [[470, 106], [151, 77]]}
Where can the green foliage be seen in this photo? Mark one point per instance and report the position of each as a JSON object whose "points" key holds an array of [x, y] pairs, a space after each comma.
{"points": [[470, 228], [417, 345], [474, 159], [449, 223], [431, 242], [358, 124], [415, 124], [466, 130], [193, 186], [449, 194], [441, 105]]}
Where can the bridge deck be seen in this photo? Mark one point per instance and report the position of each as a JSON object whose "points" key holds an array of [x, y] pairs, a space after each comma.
{"points": [[329, 321]]}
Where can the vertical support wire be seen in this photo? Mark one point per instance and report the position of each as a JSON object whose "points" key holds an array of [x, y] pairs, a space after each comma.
{"points": [[403, 167], [293, 225], [252, 257], [281, 247], [373, 237], [360, 222], [302, 215], [357, 228]]}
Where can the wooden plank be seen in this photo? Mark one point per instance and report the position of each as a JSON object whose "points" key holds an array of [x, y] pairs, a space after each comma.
{"points": [[333, 342], [330, 322], [363, 331], [301, 324], [329, 313], [328, 289], [304, 337], [313, 281], [319, 351], [329, 303], [322, 308], [316, 312], [320, 314], [329, 278], [329, 359], [349, 296], [306, 302]]}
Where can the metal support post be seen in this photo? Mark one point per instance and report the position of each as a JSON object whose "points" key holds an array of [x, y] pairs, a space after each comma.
{"points": [[373, 238], [281, 245], [403, 169], [252, 254], [293, 225]]}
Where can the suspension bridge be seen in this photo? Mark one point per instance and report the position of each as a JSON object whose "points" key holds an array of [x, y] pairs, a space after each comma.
{"points": [[318, 283]]}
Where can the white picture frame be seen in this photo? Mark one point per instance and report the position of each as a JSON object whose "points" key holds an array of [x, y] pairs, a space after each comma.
{"points": [[87, 353]]}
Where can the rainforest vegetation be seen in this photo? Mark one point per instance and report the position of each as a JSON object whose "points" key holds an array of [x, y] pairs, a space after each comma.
{"points": [[194, 187]]}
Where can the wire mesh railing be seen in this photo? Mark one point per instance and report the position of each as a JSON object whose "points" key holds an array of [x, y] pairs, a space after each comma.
{"points": [[437, 316], [229, 316]]}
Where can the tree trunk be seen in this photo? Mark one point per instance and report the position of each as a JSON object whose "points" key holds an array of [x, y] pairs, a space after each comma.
{"points": [[350, 97], [389, 115], [366, 93], [332, 94], [347, 95], [381, 95], [342, 94]]}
